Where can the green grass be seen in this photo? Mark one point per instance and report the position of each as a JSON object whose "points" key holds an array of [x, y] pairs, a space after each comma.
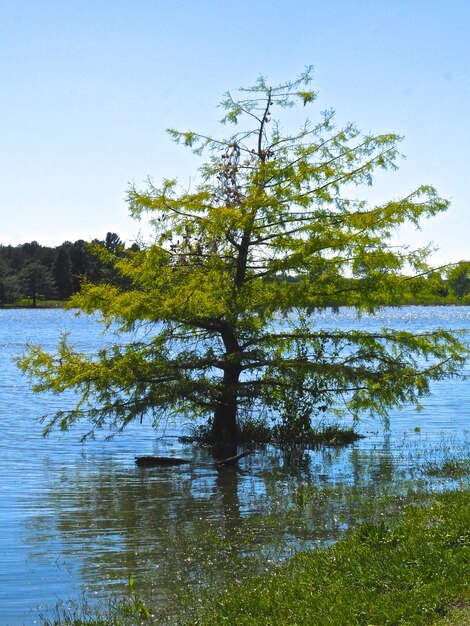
{"points": [[27, 303], [450, 468], [118, 612], [456, 617], [409, 573]]}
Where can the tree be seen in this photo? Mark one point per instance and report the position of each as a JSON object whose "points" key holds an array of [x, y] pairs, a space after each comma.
{"points": [[113, 243], [85, 265], [228, 334], [115, 246], [9, 287], [62, 273], [459, 279], [36, 281]]}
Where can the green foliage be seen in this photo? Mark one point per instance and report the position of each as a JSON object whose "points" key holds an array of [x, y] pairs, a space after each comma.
{"points": [[289, 433], [459, 279], [227, 330], [31, 271], [62, 272], [36, 281], [296, 408], [9, 285]]}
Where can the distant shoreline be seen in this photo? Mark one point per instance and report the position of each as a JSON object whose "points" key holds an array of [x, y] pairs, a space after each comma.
{"points": [[62, 304]]}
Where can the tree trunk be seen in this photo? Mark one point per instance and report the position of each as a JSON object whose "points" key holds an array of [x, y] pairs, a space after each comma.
{"points": [[224, 426]]}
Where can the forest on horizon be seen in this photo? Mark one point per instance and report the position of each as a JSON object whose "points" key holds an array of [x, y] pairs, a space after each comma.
{"points": [[32, 274], [35, 275]]}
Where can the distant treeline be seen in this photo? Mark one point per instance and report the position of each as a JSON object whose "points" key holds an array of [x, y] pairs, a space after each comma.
{"points": [[446, 285], [30, 273]]}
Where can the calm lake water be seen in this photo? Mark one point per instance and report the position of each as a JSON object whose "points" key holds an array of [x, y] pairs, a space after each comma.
{"points": [[82, 518]]}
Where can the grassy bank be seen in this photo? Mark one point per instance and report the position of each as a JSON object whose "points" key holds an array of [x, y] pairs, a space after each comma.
{"points": [[414, 572], [410, 573], [40, 304]]}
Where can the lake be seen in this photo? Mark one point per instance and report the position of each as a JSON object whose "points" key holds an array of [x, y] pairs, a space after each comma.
{"points": [[82, 518]]}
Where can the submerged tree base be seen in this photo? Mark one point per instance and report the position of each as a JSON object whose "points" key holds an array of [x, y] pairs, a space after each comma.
{"points": [[257, 432]]}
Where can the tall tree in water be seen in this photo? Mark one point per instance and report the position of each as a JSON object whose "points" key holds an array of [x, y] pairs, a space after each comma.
{"points": [[227, 332]]}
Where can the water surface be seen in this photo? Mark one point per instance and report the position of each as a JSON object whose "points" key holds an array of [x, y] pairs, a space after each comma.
{"points": [[83, 518]]}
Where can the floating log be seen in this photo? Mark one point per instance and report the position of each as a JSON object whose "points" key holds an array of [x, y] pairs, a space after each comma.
{"points": [[159, 461], [168, 461], [232, 460]]}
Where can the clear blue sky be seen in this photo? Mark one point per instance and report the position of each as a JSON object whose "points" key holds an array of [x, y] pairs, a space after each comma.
{"points": [[88, 88]]}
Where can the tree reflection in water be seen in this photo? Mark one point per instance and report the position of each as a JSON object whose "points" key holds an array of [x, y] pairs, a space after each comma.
{"points": [[173, 528]]}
